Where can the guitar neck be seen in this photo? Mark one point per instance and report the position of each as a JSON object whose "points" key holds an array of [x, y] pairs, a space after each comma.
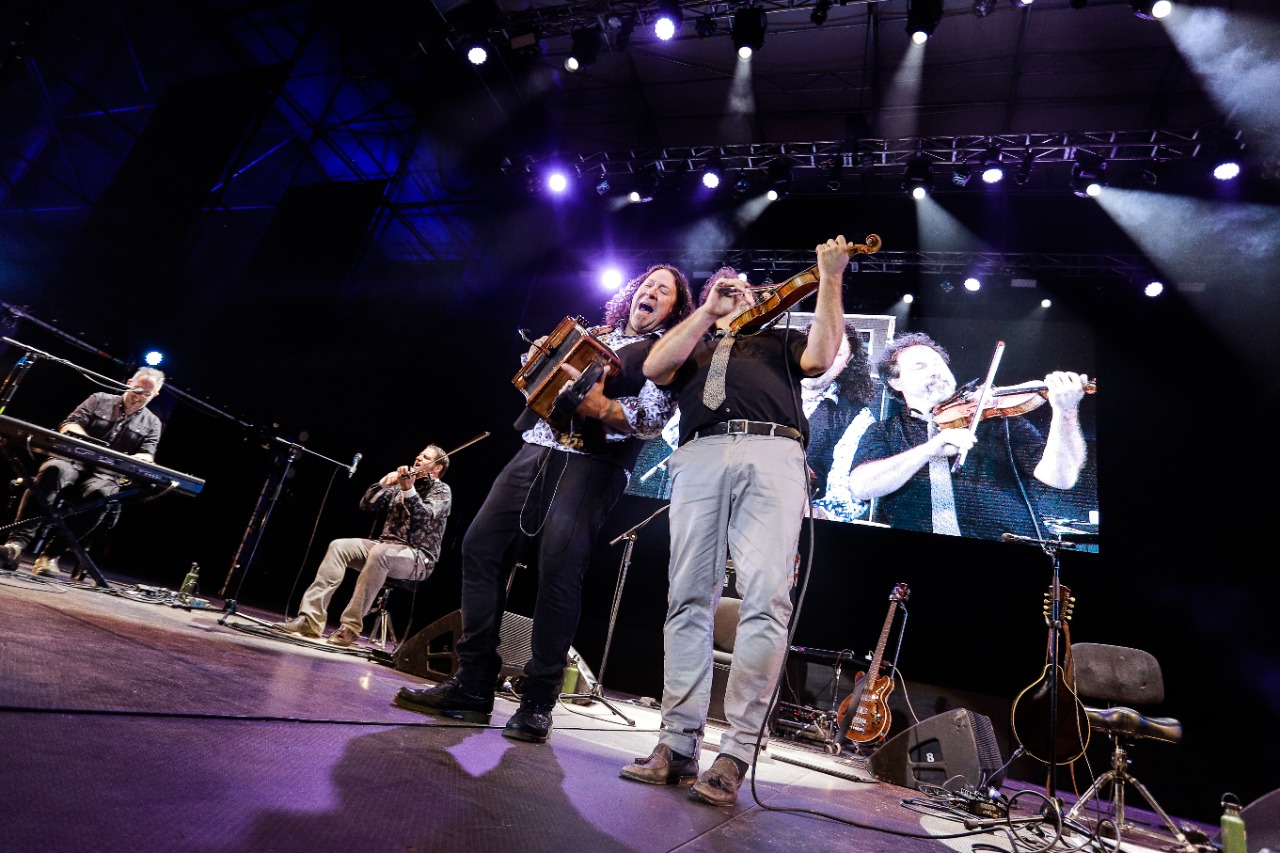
{"points": [[878, 657]]}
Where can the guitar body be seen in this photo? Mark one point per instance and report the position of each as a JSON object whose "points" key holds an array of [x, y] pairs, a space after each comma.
{"points": [[870, 720], [1030, 720]]}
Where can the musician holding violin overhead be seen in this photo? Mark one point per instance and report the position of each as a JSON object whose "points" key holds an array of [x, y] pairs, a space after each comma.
{"points": [[417, 505], [739, 485], [558, 489], [935, 468]]}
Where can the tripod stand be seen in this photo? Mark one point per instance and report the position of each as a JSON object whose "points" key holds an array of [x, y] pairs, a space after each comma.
{"points": [[596, 693]]}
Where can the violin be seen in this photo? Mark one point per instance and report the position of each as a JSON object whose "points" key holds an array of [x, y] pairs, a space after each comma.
{"points": [[777, 300], [1006, 402]]}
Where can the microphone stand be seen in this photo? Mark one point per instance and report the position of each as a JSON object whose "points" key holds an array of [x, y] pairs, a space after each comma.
{"points": [[596, 694], [1051, 547], [267, 498]]}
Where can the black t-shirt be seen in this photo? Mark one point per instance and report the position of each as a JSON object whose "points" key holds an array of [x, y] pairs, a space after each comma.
{"points": [[762, 382]]}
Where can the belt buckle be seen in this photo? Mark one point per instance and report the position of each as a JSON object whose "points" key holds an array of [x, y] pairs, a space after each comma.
{"points": [[570, 440], [729, 430]]}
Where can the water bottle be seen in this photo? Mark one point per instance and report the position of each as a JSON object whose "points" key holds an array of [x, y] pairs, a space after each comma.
{"points": [[1233, 837], [190, 584]]}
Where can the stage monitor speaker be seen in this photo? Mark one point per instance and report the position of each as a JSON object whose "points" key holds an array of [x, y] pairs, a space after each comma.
{"points": [[432, 652], [1262, 822], [953, 749]]}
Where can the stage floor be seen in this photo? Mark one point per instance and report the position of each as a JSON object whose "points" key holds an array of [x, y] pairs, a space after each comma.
{"points": [[132, 723]]}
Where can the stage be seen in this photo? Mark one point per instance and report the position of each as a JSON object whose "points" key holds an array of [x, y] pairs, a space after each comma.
{"points": [[134, 721]]}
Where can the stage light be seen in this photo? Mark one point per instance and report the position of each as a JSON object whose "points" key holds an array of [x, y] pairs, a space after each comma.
{"points": [[916, 178], [972, 284], [477, 55], [908, 298], [992, 170], [961, 174], [743, 183], [711, 177], [557, 181], [834, 174], [611, 279], [819, 13], [1225, 151], [1046, 303], [1087, 174], [1151, 10], [748, 29], [1153, 289], [1023, 174], [670, 16], [602, 187], [153, 358], [526, 45], [922, 17], [779, 173], [705, 26], [585, 49], [623, 36], [982, 8]]}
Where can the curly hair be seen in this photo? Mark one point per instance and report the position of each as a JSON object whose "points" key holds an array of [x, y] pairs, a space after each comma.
{"points": [[723, 272], [854, 385], [619, 305], [888, 363]]}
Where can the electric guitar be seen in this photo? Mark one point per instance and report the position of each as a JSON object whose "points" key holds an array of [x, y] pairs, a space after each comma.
{"points": [[1030, 713], [869, 720]]}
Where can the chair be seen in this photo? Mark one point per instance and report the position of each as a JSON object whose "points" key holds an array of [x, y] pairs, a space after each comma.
{"points": [[383, 633], [1119, 677]]}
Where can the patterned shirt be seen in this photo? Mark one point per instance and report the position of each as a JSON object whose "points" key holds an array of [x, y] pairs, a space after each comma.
{"points": [[415, 518], [647, 412]]}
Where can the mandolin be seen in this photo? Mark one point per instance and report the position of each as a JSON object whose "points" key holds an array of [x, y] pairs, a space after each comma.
{"points": [[1030, 713], [870, 718]]}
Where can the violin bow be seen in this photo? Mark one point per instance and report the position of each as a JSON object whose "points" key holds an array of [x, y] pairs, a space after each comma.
{"points": [[984, 394]]}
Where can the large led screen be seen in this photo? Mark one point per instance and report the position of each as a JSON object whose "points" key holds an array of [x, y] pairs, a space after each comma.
{"points": [[1008, 484]]}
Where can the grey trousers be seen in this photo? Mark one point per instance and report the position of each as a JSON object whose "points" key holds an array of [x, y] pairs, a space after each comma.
{"points": [[743, 496], [376, 561]]}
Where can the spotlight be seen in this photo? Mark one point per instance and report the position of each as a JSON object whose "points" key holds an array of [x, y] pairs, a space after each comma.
{"points": [[585, 49], [1087, 174], [603, 186], [922, 17], [1225, 152], [743, 183], [557, 181], [706, 26], [961, 175], [916, 178], [819, 13], [834, 173], [625, 28], [1023, 174], [908, 298], [748, 29], [670, 16], [711, 176], [1151, 10], [779, 173], [972, 284], [992, 170], [477, 54], [153, 358], [1046, 303], [1153, 289], [946, 286]]}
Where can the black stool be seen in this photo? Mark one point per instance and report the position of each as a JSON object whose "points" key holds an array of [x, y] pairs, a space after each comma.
{"points": [[383, 633]]}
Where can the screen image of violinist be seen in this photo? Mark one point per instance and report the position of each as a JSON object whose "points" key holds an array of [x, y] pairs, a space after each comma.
{"points": [[894, 442]]}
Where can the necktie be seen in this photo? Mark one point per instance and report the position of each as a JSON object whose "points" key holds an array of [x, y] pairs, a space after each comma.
{"points": [[944, 501], [713, 391]]}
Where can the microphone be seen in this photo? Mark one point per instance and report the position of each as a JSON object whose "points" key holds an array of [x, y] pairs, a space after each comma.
{"points": [[355, 460]]}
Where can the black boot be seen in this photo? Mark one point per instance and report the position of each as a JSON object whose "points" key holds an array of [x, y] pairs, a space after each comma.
{"points": [[531, 723], [448, 699]]}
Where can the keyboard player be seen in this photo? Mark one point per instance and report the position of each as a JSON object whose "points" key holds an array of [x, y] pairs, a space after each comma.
{"points": [[127, 426]]}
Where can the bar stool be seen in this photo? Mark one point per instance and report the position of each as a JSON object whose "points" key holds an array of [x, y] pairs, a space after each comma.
{"points": [[383, 633]]}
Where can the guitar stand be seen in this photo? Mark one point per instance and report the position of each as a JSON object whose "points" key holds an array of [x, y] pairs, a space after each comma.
{"points": [[596, 693], [1051, 547]]}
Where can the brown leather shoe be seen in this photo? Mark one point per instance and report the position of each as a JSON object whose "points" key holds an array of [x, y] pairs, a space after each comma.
{"points": [[662, 768], [343, 637], [719, 785]]}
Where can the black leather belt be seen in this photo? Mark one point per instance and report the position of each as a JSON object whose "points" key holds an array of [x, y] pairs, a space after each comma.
{"points": [[743, 427]]}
